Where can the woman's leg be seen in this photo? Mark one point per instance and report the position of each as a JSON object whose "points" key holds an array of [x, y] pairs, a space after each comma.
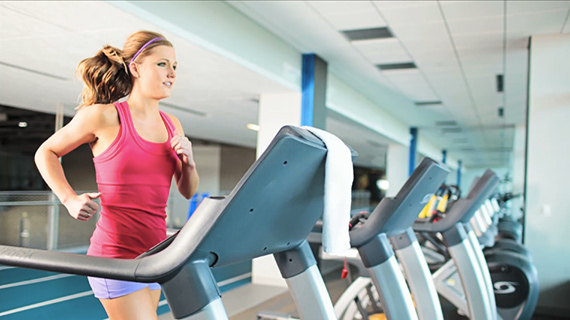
{"points": [[155, 296], [140, 305]]}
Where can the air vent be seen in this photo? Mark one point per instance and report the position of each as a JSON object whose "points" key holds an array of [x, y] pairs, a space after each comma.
{"points": [[446, 123], [367, 34], [499, 83], [451, 130], [427, 103], [33, 71], [396, 66], [173, 106]]}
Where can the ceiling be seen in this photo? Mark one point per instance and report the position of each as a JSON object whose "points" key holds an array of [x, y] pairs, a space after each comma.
{"points": [[458, 49]]}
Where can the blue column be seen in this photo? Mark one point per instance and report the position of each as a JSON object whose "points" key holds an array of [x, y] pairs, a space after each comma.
{"points": [[459, 173], [443, 156], [314, 89], [413, 149]]}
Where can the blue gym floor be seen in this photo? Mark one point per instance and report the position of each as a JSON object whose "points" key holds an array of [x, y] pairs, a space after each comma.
{"points": [[27, 294]]}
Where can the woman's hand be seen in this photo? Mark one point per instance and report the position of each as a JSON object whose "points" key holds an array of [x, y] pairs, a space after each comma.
{"points": [[82, 207], [183, 148]]}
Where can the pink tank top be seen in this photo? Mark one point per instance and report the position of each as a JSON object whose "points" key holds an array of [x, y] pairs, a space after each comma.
{"points": [[134, 177]]}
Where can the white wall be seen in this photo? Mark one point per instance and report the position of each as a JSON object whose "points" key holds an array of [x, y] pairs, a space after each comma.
{"points": [[396, 168], [275, 111], [547, 226]]}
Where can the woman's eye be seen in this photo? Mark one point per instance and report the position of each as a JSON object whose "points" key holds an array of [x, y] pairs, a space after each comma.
{"points": [[174, 67], [161, 64]]}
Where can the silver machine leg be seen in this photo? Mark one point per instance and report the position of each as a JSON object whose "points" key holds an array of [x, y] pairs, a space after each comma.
{"points": [[482, 263], [306, 285], [393, 291], [473, 281], [418, 276], [310, 295]]}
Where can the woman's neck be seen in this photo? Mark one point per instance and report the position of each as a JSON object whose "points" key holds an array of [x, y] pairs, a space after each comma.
{"points": [[142, 106]]}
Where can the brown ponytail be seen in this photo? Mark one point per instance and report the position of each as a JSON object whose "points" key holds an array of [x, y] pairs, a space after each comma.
{"points": [[106, 76]]}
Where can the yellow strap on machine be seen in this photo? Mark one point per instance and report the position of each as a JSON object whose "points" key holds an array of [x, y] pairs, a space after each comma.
{"points": [[427, 210], [442, 205]]}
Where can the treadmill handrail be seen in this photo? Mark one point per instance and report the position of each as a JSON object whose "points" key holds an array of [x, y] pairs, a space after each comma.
{"points": [[157, 267], [464, 208], [395, 215]]}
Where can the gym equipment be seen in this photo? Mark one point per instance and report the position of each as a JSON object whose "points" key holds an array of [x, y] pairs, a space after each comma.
{"points": [[515, 284], [466, 255], [514, 281], [510, 229], [391, 219], [279, 199]]}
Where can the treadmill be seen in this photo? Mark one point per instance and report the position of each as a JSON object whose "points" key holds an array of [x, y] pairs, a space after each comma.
{"points": [[270, 211]]}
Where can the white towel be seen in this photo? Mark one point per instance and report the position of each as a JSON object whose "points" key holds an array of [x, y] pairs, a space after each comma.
{"points": [[338, 193]]}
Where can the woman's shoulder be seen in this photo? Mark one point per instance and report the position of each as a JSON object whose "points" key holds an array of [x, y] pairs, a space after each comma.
{"points": [[102, 113], [174, 120]]}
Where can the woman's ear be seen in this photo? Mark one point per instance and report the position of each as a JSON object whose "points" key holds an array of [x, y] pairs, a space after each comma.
{"points": [[134, 70]]}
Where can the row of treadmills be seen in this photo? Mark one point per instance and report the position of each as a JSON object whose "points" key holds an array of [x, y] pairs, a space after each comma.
{"points": [[278, 202]]}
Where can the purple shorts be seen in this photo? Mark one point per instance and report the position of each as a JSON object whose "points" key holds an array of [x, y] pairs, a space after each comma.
{"points": [[109, 288]]}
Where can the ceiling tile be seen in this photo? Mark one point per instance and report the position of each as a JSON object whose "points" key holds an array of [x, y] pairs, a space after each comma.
{"points": [[428, 33], [382, 51], [479, 42], [354, 21], [402, 4], [477, 26], [518, 7], [335, 7], [423, 12], [412, 83], [460, 10], [539, 22]]}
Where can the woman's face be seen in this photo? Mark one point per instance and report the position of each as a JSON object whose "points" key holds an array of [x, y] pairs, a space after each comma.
{"points": [[157, 72]]}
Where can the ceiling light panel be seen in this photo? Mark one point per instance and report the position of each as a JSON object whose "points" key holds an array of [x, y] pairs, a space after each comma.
{"points": [[382, 51], [367, 34], [428, 103], [402, 66], [444, 123]]}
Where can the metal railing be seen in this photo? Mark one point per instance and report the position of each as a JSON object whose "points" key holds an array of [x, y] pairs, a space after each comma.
{"points": [[36, 219]]}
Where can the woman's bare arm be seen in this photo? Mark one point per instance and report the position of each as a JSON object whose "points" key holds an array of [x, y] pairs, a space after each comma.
{"points": [[185, 174], [82, 129]]}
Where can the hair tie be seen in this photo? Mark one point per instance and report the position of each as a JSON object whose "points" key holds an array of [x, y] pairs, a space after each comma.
{"points": [[142, 48]]}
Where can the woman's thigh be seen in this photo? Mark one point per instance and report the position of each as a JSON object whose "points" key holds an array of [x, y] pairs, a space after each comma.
{"points": [[140, 304]]}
